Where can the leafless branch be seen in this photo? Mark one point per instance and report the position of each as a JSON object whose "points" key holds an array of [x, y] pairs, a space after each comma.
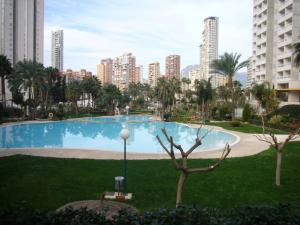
{"points": [[225, 153]]}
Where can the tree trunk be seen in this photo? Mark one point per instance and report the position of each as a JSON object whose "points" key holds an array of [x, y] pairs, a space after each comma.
{"points": [[230, 84], [180, 187], [3, 91], [278, 167]]}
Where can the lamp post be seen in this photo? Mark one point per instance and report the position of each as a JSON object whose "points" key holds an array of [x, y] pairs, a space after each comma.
{"points": [[125, 135]]}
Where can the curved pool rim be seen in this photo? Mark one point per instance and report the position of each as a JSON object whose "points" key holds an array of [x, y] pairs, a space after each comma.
{"points": [[192, 126]]}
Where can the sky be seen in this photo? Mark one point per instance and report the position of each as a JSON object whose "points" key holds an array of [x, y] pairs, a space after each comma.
{"points": [[150, 29]]}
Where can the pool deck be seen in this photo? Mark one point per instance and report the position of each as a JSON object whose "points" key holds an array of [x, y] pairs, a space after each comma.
{"points": [[247, 145]]}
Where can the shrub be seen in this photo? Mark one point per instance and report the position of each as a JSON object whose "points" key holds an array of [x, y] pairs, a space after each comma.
{"points": [[247, 112], [187, 215], [276, 120], [292, 111], [235, 123]]}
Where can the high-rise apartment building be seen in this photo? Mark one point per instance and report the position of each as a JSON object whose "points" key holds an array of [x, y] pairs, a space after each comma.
{"points": [[276, 26], [22, 29], [249, 73], [58, 49], [193, 76], [138, 74], [209, 49], [123, 70], [77, 75], [153, 73], [105, 71], [173, 66]]}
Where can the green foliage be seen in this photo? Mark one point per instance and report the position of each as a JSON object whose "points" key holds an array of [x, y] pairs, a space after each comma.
{"points": [[266, 96], [296, 54], [247, 112], [60, 112], [290, 111], [280, 214], [235, 123], [276, 119]]}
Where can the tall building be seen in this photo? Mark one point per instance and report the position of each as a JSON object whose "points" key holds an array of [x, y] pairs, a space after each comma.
{"points": [[276, 26], [249, 73], [138, 74], [105, 71], [22, 29], [123, 70], [58, 49], [194, 75], [77, 75], [209, 49], [153, 73], [173, 66]]}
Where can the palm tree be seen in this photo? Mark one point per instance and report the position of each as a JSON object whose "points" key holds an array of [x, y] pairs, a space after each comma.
{"points": [[74, 92], [297, 54], [5, 71], [29, 76], [176, 86], [228, 65], [204, 93], [265, 96], [52, 75], [165, 93]]}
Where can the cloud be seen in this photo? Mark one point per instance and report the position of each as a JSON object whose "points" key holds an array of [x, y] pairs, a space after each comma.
{"points": [[151, 29]]}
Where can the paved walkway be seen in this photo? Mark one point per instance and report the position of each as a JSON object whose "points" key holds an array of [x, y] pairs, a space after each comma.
{"points": [[247, 145]]}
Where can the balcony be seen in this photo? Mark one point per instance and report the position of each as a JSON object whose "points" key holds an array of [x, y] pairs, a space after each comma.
{"points": [[285, 54], [283, 79], [261, 30], [260, 72], [284, 67], [285, 29], [286, 41], [285, 17], [285, 4]]}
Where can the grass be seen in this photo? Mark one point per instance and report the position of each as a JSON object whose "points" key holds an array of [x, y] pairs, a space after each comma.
{"points": [[47, 183], [246, 128]]}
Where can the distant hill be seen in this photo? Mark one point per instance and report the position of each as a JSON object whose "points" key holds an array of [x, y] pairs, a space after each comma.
{"points": [[185, 71], [241, 77]]}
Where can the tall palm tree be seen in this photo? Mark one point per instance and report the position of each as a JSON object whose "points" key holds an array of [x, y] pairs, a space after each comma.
{"points": [[74, 91], [29, 76], [165, 94], [204, 93], [5, 71], [228, 65], [297, 54]]}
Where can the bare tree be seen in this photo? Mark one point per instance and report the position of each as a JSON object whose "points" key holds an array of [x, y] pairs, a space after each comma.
{"points": [[279, 147], [183, 166]]}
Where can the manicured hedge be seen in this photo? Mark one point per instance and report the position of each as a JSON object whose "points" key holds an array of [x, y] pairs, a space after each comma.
{"points": [[282, 214], [292, 111]]}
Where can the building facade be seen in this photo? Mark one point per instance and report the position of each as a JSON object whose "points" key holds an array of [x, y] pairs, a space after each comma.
{"points": [[153, 73], [209, 49], [173, 66], [58, 49], [105, 71], [22, 30], [123, 70], [72, 75], [276, 26], [138, 74]]}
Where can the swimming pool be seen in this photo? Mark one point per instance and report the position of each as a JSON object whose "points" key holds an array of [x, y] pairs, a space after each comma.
{"points": [[102, 133]]}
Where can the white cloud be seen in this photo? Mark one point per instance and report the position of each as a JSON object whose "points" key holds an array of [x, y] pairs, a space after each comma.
{"points": [[151, 29]]}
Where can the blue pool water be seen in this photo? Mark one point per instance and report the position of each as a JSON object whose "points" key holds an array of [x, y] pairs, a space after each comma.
{"points": [[102, 133]]}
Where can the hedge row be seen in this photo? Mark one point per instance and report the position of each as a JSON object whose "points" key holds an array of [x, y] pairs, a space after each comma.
{"points": [[282, 214]]}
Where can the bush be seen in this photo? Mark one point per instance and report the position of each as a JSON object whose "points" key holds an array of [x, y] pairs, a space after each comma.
{"points": [[188, 215], [235, 123], [276, 120], [291, 111], [247, 112]]}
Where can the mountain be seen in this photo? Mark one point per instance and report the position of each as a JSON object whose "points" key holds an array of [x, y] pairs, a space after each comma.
{"points": [[241, 77], [185, 71]]}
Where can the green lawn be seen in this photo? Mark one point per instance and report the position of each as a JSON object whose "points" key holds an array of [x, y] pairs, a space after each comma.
{"points": [[246, 128], [47, 183]]}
